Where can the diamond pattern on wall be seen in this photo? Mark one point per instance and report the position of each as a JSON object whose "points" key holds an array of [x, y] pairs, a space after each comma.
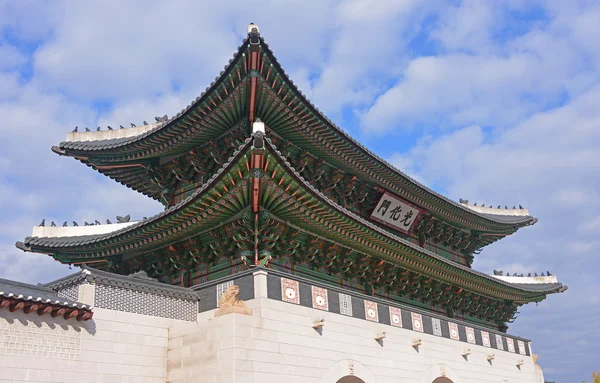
{"points": [[395, 316], [485, 339], [499, 343], [511, 344], [417, 322], [345, 304], [140, 302], [371, 311], [290, 291], [470, 334], [453, 329], [71, 292], [437, 326], [521, 346], [319, 298]]}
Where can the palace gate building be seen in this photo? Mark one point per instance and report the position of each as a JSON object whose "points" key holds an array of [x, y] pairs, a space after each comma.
{"points": [[286, 251]]}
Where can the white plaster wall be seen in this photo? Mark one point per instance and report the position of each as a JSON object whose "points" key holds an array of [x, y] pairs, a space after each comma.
{"points": [[202, 352], [114, 347], [278, 344], [275, 344]]}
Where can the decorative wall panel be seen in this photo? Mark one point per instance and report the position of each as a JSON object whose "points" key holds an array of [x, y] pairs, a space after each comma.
{"points": [[28, 339], [319, 298], [417, 322], [371, 311], [395, 316], [345, 304], [290, 291], [138, 302]]}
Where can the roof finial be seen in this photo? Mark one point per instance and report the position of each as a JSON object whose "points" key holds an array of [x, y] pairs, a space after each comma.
{"points": [[252, 27]]}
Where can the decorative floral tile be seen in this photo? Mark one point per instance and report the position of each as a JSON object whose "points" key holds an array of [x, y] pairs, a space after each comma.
{"points": [[345, 304], [319, 298], [371, 311], [521, 346], [511, 344], [499, 343], [470, 335], [395, 316], [437, 326], [485, 339], [453, 329], [417, 322], [290, 291]]}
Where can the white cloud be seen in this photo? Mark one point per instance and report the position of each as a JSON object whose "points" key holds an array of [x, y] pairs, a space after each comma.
{"points": [[485, 81], [10, 57], [590, 226], [467, 26], [549, 163], [183, 43]]}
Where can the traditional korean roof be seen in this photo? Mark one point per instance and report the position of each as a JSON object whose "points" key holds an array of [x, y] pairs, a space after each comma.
{"points": [[333, 221], [41, 300], [288, 114], [139, 281], [291, 184]]}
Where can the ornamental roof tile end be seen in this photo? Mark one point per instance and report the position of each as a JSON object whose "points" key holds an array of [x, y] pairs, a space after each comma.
{"points": [[36, 293]]}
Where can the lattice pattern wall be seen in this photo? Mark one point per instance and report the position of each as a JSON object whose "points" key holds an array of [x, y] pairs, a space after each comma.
{"points": [[138, 302], [71, 292], [58, 342]]}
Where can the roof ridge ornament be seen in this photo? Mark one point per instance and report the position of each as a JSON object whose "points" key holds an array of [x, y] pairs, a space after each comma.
{"points": [[258, 132], [521, 211], [253, 27], [253, 34]]}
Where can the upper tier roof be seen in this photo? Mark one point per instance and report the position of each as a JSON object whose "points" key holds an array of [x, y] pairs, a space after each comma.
{"points": [[288, 114]]}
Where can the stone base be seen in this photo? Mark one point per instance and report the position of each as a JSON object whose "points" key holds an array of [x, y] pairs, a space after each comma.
{"points": [[233, 309]]}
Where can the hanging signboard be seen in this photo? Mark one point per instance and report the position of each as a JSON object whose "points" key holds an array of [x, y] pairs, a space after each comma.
{"points": [[396, 213]]}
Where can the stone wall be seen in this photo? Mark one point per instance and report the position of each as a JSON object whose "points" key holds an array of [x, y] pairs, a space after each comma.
{"points": [[278, 343], [114, 347]]}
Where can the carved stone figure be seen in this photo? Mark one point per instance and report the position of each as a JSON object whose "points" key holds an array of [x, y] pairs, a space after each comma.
{"points": [[230, 303]]}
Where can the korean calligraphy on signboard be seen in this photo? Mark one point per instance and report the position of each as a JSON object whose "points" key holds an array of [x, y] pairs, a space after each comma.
{"points": [[395, 213]]}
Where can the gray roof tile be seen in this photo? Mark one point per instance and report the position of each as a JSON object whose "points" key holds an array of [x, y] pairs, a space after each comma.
{"points": [[35, 293]]}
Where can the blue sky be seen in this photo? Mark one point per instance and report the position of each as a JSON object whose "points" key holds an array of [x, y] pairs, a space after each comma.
{"points": [[495, 102]]}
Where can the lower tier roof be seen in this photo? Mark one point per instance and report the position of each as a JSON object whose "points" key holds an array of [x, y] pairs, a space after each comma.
{"points": [[288, 198]]}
